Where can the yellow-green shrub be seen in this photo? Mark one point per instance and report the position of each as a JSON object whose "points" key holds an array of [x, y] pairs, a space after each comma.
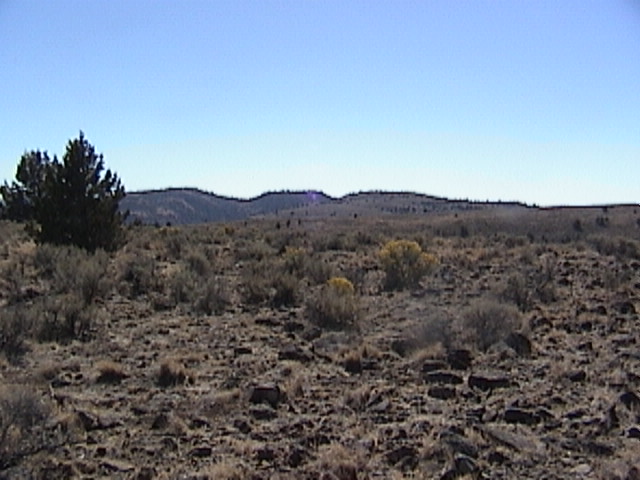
{"points": [[336, 305], [405, 264]]}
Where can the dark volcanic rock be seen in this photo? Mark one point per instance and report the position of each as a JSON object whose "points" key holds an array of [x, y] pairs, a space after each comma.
{"points": [[489, 381], [433, 365], [519, 343], [268, 393], [460, 359], [294, 352], [442, 392], [443, 377], [518, 415]]}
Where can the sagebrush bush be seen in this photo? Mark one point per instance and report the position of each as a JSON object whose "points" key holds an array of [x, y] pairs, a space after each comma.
{"points": [[213, 297], [405, 264], [15, 327], [335, 306], [487, 322], [23, 415], [63, 318], [139, 273]]}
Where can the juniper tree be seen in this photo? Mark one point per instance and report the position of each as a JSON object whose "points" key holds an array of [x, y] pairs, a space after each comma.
{"points": [[70, 202]]}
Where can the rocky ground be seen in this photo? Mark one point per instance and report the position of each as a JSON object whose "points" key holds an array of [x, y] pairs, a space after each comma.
{"points": [[153, 385]]}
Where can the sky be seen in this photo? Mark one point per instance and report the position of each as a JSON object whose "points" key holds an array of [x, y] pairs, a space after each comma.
{"points": [[529, 100]]}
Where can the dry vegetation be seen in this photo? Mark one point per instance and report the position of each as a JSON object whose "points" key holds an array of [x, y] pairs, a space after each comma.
{"points": [[481, 344]]}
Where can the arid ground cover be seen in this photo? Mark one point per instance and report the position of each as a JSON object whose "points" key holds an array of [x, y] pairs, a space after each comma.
{"points": [[472, 345]]}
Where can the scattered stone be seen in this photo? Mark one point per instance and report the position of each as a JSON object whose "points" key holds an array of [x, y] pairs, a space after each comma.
{"points": [[460, 359], [442, 392], [93, 421], [518, 415], [294, 352], [353, 365], [263, 412], [117, 466], [242, 425], [201, 452], [520, 344], [458, 443], [267, 393], [242, 351], [488, 382], [625, 307], [633, 432], [160, 422], [296, 457], [464, 465], [513, 440], [631, 401], [577, 376], [443, 377], [265, 454], [433, 365], [404, 453]]}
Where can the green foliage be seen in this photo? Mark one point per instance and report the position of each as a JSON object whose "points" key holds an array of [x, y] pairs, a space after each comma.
{"points": [[404, 264], [69, 202]]}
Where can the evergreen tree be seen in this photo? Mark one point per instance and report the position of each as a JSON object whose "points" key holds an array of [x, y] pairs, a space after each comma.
{"points": [[73, 202]]}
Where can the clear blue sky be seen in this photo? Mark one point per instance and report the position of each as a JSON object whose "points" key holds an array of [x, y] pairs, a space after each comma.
{"points": [[529, 100]]}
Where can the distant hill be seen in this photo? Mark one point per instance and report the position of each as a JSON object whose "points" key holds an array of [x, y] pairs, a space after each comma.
{"points": [[179, 206]]}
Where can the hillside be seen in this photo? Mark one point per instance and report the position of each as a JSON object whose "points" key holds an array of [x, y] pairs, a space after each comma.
{"points": [[182, 206]]}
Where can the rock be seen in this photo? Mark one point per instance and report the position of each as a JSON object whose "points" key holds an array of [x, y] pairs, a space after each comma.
{"points": [[353, 365], [457, 443], [433, 365], [263, 412], [516, 441], [577, 376], [146, 473], [242, 351], [442, 392], [292, 326], [633, 432], [201, 451], [296, 457], [519, 343], [265, 454], [488, 382], [460, 359], [625, 307], [631, 401], [242, 425], [518, 415], [93, 421], [400, 346], [117, 466], [267, 393], [464, 465], [294, 352], [443, 377], [405, 454]]}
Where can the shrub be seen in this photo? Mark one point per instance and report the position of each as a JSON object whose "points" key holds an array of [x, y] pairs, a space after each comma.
{"points": [[285, 294], [139, 272], [22, 411], [79, 272], [15, 326], [404, 264], [335, 306], [488, 322], [63, 318], [172, 373], [213, 298]]}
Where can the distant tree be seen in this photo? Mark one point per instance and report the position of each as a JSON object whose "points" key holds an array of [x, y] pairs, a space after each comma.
{"points": [[73, 202], [21, 197]]}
